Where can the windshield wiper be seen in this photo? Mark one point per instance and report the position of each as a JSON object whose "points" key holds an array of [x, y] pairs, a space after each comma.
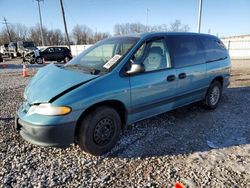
{"points": [[94, 71], [77, 66]]}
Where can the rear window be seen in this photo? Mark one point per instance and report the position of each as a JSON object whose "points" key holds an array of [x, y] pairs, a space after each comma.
{"points": [[214, 49], [186, 50]]}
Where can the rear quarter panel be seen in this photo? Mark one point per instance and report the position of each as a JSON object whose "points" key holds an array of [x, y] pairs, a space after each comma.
{"points": [[219, 68]]}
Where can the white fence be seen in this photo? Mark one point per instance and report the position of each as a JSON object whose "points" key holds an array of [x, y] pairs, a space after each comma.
{"points": [[238, 48]]}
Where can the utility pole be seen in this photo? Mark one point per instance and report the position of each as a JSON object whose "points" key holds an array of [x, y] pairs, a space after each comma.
{"points": [[65, 25], [7, 27], [41, 24], [199, 17]]}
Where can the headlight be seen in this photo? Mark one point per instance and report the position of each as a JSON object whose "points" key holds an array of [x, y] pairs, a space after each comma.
{"points": [[49, 110]]}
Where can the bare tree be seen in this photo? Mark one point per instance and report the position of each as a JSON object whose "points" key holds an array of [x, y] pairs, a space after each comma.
{"points": [[35, 35], [99, 36], [177, 26], [55, 37], [82, 34], [122, 29]]}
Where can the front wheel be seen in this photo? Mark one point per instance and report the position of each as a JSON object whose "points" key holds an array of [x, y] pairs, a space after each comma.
{"points": [[213, 95], [99, 130]]}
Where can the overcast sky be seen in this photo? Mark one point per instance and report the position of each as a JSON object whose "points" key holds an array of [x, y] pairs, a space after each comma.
{"points": [[222, 17]]}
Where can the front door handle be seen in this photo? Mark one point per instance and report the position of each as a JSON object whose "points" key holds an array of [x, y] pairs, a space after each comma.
{"points": [[171, 78], [182, 75]]}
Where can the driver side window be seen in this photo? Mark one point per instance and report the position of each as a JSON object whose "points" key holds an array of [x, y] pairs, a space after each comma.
{"points": [[153, 55]]}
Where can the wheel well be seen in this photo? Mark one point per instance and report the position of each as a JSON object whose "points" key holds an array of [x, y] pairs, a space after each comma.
{"points": [[219, 79], [117, 105]]}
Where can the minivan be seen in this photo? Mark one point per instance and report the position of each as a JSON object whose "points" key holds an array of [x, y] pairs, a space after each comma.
{"points": [[119, 81]]}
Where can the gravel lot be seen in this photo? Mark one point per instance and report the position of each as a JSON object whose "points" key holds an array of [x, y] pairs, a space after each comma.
{"points": [[191, 145]]}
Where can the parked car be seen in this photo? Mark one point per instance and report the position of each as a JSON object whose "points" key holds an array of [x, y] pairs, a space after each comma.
{"points": [[52, 53], [119, 81], [4, 49], [24, 47], [12, 50]]}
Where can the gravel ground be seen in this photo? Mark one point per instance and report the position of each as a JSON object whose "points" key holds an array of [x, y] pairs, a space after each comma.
{"points": [[191, 145]]}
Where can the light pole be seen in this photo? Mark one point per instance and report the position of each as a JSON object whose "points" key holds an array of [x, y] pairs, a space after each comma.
{"points": [[41, 24], [199, 17]]}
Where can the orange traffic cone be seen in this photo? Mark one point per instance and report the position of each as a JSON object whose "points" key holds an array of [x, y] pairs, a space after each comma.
{"points": [[179, 185], [25, 71]]}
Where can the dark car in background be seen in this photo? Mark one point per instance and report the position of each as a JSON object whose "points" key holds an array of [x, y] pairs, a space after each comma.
{"points": [[52, 53]]}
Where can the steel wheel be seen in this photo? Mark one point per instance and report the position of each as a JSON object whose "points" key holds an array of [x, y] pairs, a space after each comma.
{"points": [[215, 95], [104, 131]]}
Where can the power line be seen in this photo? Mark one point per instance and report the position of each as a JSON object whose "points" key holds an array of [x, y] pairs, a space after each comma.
{"points": [[7, 27], [65, 25], [41, 24]]}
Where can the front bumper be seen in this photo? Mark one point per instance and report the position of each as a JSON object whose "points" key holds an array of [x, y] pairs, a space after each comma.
{"points": [[59, 135]]}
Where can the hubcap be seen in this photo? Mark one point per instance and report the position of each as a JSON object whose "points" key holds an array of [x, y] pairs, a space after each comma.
{"points": [[104, 131], [215, 95]]}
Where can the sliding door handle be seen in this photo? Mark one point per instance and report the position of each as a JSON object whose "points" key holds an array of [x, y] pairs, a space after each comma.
{"points": [[171, 78]]}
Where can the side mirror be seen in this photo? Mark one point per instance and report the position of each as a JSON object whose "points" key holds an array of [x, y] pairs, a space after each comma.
{"points": [[136, 68]]}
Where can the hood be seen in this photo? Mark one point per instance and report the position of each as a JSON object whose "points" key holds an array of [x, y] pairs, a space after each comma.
{"points": [[51, 81]]}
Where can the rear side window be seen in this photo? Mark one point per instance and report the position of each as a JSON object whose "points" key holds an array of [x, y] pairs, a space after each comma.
{"points": [[59, 50], [186, 50], [214, 49]]}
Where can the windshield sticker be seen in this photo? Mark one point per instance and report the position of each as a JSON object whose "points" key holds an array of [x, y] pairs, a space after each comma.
{"points": [[112, 61]]}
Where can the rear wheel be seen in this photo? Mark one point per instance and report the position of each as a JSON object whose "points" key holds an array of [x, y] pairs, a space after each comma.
{"points": [[99, 130], [66, 59], [213, 95], [39, 60]]}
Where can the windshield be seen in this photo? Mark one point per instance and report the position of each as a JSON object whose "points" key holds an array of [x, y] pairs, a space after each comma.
{"points": [[104, 55], [28, 44]]}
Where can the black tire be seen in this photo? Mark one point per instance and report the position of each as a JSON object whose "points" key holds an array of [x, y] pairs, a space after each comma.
{"points": [[39, 60], [99, 131], [213, 95], [32, 61], [66, 59], [11, 56]]}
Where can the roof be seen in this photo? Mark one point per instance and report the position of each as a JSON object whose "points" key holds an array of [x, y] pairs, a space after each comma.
{"points": [[155, 34]]}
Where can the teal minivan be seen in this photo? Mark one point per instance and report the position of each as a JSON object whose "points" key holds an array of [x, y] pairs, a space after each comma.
{"points": [[119, 81]]}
